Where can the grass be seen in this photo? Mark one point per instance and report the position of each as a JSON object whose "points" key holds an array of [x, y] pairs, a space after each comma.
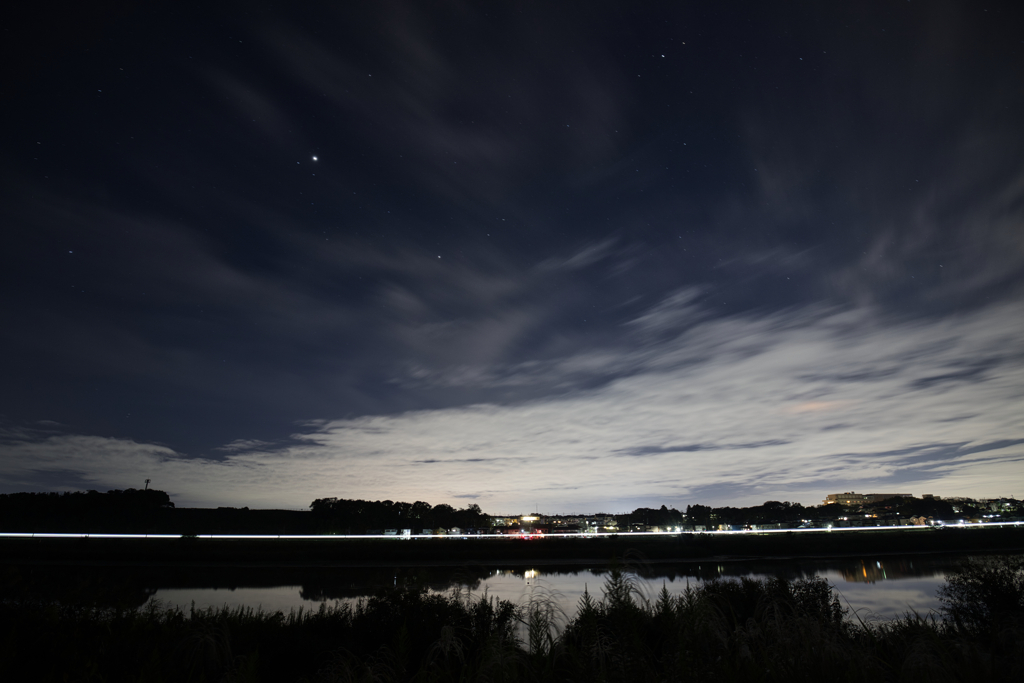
{"points": [[746, 630]]}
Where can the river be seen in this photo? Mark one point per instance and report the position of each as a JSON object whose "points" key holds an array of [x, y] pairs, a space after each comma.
{"points": [[873, 588]]}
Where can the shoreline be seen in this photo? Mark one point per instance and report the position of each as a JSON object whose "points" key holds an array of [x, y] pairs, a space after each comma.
{"points": [[517, 562], [375, 553]]}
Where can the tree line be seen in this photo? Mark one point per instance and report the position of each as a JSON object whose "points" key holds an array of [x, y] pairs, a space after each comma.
{"points": [[151, 511], [341, 516], [785, 512], [84, 511]]}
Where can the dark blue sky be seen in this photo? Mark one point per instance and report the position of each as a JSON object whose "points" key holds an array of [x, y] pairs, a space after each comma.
{"points": [[583, 256]]}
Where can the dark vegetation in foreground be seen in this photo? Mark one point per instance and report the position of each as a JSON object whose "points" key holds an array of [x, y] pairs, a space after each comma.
{"points": [[751, 630]]}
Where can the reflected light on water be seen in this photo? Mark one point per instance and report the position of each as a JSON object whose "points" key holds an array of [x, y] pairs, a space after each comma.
{"points": [[871, 589]]}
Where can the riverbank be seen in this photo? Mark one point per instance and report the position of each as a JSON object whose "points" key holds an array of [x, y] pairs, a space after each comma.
{"points": [[514, 552]]}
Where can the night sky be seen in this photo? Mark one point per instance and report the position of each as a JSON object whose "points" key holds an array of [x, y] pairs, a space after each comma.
{"points": [[566, 256]]}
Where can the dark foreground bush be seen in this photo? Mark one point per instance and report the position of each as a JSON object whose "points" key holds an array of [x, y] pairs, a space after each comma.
{"points": [[985, 595], [749, 630]]}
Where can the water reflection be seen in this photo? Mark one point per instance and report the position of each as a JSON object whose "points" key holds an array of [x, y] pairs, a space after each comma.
{"points": [[872, 586], [870, 571], [341, 583], [888, 598]]}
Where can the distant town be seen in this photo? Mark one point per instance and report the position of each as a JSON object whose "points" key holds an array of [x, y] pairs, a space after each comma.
{"points": [[150, 511], [837, 510]]}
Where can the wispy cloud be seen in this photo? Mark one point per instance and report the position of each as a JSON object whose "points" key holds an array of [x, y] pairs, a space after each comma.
{"points": [[244, 445], [769, 411], [587, 256]]}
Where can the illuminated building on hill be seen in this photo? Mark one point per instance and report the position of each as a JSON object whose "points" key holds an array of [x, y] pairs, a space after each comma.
{"points": [[851, 498]]}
